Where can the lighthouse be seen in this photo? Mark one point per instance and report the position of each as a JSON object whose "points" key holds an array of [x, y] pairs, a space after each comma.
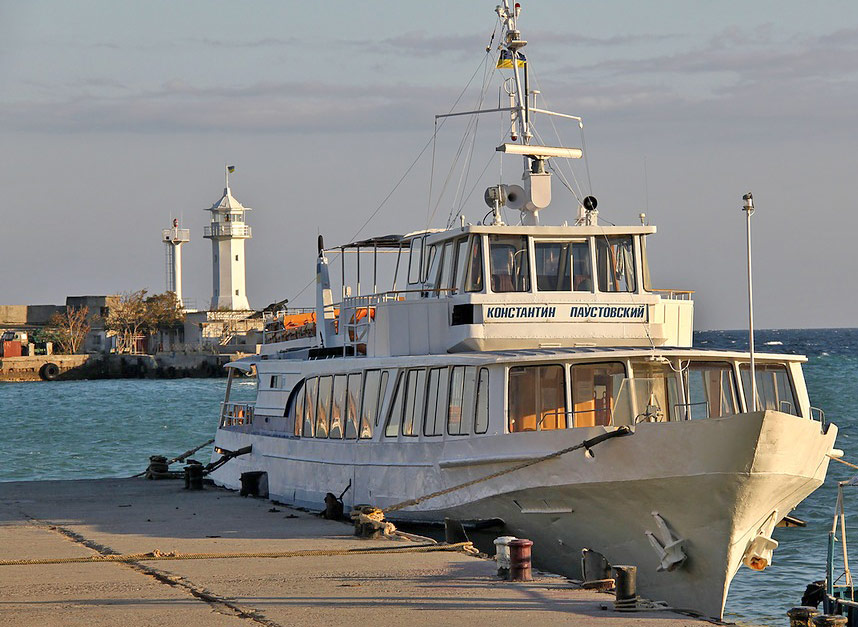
{"points": [[227, 232], [173, 239]]}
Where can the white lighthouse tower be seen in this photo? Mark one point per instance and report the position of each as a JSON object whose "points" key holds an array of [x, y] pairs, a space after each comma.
{"points": [[173, 239], [227, 232]]}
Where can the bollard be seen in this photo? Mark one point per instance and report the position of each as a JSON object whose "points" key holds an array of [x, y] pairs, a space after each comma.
{"points": [[802, 616], [454, 531], [626, 588], [519, 560], [194, 476], [829, 620], [502, 555]]}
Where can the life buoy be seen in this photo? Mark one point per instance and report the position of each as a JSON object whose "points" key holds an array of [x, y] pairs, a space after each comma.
{"points": [[49, 371]]}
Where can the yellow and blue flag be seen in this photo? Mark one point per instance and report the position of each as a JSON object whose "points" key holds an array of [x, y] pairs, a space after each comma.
{"points": [[230, 168], [505, 60]]}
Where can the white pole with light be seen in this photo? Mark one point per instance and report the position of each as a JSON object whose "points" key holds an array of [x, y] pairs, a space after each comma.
{"points": [[748, 208]]}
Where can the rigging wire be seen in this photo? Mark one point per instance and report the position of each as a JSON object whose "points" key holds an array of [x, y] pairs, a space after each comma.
{"points": [[407, 171]]}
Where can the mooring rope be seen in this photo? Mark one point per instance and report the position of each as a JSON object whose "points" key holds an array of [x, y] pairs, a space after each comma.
{"points": [[586, 444], [173, 556], [843, 461]]}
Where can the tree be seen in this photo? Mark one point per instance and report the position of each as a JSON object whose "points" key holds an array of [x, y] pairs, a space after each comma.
{"points": [[137, 315], [127, 320], [68, 329], [163, 311]]}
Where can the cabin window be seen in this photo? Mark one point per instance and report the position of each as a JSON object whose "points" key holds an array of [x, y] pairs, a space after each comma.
{"points": [[474, 276], [595, 388], [415, 261], [711, 390], [372, 391], [394, 416], [294, 411], [510, 268], [323, 409], [352, 406], [461, 265], [274, 382], [415, 393], [460, 409], [338, 409], [436, 402], [655, 392], [537, 398], [615, 260], [310, 407], [481, 419], [774, 389]]}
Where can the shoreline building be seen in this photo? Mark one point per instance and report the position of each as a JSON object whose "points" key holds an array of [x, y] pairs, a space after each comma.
{"points": [[173, 239], [227, 232]]}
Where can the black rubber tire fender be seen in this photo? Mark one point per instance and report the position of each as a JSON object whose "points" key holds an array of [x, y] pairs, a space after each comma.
{"points": [[49, 371]]}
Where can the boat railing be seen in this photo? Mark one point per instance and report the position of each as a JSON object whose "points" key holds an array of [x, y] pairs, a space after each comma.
{"points": [[235, 414], [817, 414], [674, 294]]}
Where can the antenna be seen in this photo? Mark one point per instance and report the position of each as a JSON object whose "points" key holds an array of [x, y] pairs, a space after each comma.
{"points": [[748, 208]]}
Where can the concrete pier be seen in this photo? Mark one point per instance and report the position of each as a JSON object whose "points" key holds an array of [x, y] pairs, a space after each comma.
{"points": [[59, 519]]}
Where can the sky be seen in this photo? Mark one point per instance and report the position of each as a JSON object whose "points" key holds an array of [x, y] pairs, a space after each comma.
{"points": [[116, 117]]}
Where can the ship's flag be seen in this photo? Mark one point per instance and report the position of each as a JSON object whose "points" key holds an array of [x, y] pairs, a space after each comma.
{"points": [[505, 60], [230, 168]]}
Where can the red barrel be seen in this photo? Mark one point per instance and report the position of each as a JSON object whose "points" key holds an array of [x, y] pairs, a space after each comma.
{"points": [[519, 560]]}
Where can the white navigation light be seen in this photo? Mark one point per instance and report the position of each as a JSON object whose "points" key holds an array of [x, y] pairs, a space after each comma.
{"points": [[541, 152]]}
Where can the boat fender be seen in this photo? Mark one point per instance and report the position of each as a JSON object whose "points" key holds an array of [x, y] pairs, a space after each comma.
{"points": [[758, 555], [669, 548], [49, 371]]}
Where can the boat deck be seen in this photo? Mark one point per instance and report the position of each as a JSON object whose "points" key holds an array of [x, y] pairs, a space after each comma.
{"points": [[59, 519]]}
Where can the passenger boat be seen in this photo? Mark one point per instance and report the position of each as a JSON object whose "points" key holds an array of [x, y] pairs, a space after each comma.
{"points": [[499, 344]]}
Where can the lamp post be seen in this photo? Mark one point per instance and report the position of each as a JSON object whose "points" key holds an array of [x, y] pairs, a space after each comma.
{"points": [[748, 208]]}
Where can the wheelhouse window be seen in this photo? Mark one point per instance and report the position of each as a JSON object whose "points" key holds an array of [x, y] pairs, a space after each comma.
{"points": [[474, 276], [711, 390], [446, 267], [537, 398], [595, 388], [461, 265], [615, 261], [774, 389], [510, 267], [436, 402], [415, 261], [563, 266]]}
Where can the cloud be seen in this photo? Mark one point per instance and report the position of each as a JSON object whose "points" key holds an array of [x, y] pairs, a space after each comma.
{"points": [[178, 106]]}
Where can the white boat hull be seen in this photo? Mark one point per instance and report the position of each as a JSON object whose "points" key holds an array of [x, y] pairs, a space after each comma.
{"points": [[717, 482]]}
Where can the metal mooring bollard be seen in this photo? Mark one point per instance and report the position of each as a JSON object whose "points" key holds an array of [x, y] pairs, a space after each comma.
{"points": [[519, 560], [502, 555], [829, 620], [194, 476], [626, 588], [801, 616]]}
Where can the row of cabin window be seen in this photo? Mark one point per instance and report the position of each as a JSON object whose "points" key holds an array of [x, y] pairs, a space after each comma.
{"points": [[424, 397], [537, 394], [347, 405], [457, 265]]}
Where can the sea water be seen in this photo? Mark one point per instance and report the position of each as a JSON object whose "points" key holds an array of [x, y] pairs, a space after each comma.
{"points": [[109, 428]]}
